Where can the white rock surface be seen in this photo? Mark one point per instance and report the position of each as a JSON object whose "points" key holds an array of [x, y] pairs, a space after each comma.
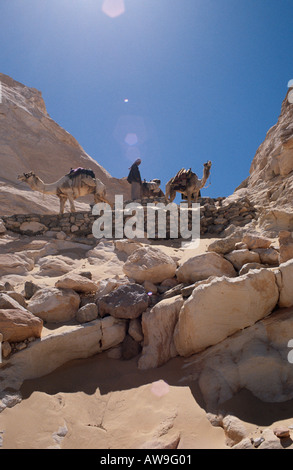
{"points": [[202, 266], [218, 309], [149, 264]]}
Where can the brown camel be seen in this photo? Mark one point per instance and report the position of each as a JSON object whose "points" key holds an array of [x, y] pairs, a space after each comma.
{"points": [[77, 183], [187, 183]]}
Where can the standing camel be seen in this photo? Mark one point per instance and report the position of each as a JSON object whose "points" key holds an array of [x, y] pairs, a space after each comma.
{"points": [[187, 183], [77, 183]]}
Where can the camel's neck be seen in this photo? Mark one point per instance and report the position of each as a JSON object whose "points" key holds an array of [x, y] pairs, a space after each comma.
{"points": [[206, 174], [38, 185]]}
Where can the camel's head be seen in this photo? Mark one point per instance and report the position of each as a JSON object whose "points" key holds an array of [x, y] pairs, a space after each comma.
{"points": [[208, 165], [26, 177]]}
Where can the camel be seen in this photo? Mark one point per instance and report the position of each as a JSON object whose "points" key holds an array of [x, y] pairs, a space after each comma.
{"points": [[187, 183], [76, 183], [151, 189]]}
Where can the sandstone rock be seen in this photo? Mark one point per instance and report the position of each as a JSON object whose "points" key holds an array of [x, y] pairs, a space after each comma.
{"points": [[286, 245], [235, 429], [54, 305], [135, 329], [12, 263], [2, 227], [87, 313], [269, 256], [253, 360], [77, 283], [218, 309], [256, 241], [33, 228], [6, 349], [158, 326], [127, 246], [64, 344], [17, 325], [7, 301], [281, 432], [127, 301], [18, 297], [55, 265], [61, 235], [285, 280], [223, 246], [248, 266], [105, 286], [240, 257], [30, 288], [149, 264], [170, 283], [150, 287], [202, 266]]}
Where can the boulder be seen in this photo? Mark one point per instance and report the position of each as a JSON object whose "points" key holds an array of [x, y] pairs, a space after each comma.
{"points": [[158, 326], [62, 345], [76, 282], [268, 256], [135, 329], [105, 286], [253, 361], [223, 246], [18, 325], [18, 297], [55, 265], [222, 307], [54, 305], [15, 263], [30, 288], [286, 245], [240, 257], [284, 277], [248, 266], [87, 313], [127, 246], [256, 241], [202, 266], [127, 301], [8, 301], [32, 228], [149, 264]]}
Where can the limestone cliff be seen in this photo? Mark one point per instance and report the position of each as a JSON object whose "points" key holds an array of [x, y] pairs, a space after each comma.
{"points": [[31, 140], [270, 183]]}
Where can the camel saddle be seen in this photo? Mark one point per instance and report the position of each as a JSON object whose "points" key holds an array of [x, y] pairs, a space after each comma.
{"points": [[81, 171], [181, 178]]}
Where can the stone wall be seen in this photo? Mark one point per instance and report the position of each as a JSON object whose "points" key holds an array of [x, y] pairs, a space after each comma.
{"points": [[215, 216]]}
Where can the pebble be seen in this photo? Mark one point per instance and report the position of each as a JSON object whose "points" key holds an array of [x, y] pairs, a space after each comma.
{"points": [[281, 432]]}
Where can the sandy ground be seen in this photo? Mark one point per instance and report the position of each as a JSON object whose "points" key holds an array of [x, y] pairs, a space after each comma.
{"points": [[103, 403]]}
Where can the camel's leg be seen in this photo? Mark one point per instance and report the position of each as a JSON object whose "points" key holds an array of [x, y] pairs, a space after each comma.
{"points": [[71, 202], [62, 204], [170, 194]]}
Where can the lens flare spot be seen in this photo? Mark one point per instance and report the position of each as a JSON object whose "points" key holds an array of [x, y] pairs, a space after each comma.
{"points": [[113, 8], [131, 139], [160, 388]]}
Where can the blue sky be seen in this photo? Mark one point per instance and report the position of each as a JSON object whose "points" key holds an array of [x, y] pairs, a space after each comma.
{"points": [[204, 79]]}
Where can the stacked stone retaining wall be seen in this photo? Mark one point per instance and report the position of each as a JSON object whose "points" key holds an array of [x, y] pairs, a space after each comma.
{"points": [[215, 216]]}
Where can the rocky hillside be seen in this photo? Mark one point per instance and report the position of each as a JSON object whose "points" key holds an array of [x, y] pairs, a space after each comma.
{"points": [[31, 140], [270, 183]]}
